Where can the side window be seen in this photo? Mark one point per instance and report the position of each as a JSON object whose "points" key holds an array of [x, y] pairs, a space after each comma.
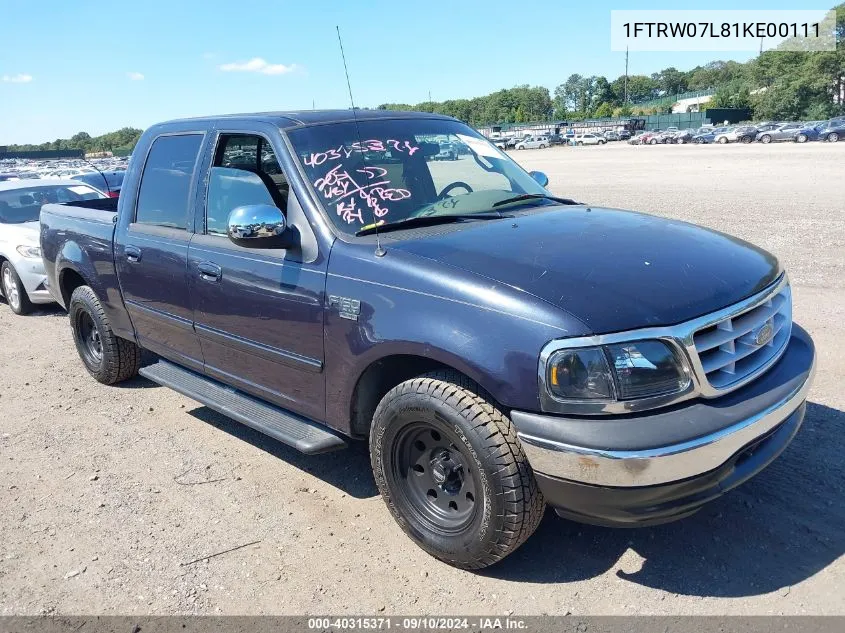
{"points": [[245, 172], [166, 181]]}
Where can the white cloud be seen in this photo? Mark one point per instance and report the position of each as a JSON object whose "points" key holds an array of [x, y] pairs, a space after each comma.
{"points": [[20, 78], [258, 65], [135, 76]]}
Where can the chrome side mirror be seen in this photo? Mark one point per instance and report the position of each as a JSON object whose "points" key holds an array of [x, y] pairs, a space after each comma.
{"points": [[540, 177], [259, 226]]}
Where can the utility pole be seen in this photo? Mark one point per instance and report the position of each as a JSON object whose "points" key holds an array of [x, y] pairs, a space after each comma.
{"points": [[626, 75]]}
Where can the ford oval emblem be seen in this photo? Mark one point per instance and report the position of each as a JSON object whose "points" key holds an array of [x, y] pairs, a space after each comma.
{"points": [[764, 334]]}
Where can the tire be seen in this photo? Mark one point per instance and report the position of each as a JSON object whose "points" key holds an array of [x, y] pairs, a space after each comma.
{"points": [[699, 141], [542, 147], [442, 433], [580, 143], [747, 139], [681, 141], [833, 137], [722, 140], [801, 138], [766, 139], [652, 141], [108, 358], [13, 290]]}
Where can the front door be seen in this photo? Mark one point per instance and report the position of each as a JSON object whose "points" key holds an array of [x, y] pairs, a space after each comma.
{"points": [[258, 312], [151, 252]]}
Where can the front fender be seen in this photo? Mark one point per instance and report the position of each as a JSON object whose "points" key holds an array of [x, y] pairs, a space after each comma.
{"points": [[490, 332]]}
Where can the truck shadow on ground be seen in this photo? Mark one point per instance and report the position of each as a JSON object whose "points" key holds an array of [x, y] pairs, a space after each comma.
{"points": [[776, 530], [347, 470]]}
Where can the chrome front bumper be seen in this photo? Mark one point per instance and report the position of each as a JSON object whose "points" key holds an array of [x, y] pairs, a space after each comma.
{"points": [[604, 464]]}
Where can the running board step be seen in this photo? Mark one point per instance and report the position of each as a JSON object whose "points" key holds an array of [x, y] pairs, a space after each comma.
{"points": [[291, 429]]}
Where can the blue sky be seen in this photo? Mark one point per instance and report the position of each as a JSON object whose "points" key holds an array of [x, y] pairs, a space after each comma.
{"points": [[67, 66]]}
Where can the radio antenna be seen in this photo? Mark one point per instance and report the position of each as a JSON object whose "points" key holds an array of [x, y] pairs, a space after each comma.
{"points": [[380, 252]]}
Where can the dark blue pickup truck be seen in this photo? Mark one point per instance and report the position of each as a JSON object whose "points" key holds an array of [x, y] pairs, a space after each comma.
{"points": [[321, 277]]}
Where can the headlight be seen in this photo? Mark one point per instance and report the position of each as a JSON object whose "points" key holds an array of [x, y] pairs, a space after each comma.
{"points": [[622, 371], [30, 252]]}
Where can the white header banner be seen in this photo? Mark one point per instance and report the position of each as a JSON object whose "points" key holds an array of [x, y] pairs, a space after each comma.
{"points": [[723, 30]]}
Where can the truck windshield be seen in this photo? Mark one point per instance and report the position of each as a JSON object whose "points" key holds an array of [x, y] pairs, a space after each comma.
{"points": [[23, 204], [386, 171]]}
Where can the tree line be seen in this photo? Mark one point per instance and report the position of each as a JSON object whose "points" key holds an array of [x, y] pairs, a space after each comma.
{"points": [[123, 139], [775, 85]]}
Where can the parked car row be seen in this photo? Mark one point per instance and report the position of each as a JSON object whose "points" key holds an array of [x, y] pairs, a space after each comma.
{"points": [[770, 132], [542, 141]]}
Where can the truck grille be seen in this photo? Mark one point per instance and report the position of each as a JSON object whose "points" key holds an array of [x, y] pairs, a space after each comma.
{"points": [[734, 350]]}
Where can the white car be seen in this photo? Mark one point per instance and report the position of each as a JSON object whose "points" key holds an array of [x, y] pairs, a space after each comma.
{"points": [[590, 139], [533, 142], [23, 280]]}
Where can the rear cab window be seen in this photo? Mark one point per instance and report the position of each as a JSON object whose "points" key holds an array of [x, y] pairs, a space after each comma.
{"points": [[163, 197]]}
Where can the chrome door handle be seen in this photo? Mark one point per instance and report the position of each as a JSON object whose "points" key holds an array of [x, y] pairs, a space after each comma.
{"points": [[133, 254], [210, 271]]}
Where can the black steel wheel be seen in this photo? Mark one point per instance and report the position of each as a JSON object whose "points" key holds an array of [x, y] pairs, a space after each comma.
{"points": [[88, 339], [108, 358], [438, 483], [452, 471]]}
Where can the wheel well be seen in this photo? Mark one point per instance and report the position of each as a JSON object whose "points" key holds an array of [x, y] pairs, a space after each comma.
{"points": [[70, 281], [379, 378]]}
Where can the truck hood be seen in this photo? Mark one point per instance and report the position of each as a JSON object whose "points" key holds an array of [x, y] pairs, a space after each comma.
{"points": [[613, 270], [25, 234]]}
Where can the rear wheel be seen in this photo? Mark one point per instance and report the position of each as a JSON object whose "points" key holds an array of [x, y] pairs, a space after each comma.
{"points": [[108, 358], [722, 140], [452, 471], [833, 137], [765, 139], [747, 139], [14, 290], [801, 138]]}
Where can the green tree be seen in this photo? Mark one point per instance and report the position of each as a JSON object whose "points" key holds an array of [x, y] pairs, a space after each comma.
{"points": [[604, 110]]}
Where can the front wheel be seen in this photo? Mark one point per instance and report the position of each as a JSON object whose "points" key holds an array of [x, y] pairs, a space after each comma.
{"points": [[14, 290], [747, 139], [833, 137], [107, 358], [452, 471], [722, 140], [801, 138], [766, 139]]}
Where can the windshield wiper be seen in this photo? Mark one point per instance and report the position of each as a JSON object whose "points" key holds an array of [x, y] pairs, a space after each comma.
{"points": [[426, 220], [533, 196]]}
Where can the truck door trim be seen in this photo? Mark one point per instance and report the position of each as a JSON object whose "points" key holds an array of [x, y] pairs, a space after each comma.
{"points": [[275, 354]]}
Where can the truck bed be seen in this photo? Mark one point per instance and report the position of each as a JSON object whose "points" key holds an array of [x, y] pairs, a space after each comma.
{"points": [[98, 210]]}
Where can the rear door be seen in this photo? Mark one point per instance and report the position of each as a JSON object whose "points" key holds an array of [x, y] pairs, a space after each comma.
{"points": [[258, 312], [151, 249]]}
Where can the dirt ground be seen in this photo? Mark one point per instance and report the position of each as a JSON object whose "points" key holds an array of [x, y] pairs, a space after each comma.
{"points": [[110, 495]]}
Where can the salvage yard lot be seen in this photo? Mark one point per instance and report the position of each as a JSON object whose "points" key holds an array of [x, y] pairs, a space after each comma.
{"points": [[109, 495]]}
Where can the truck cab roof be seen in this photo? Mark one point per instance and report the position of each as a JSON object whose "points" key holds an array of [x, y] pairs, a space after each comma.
{"points": [[310, 117]]}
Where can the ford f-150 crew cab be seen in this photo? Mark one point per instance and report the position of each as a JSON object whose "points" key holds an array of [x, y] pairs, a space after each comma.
{"points": [[319, 277]]}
